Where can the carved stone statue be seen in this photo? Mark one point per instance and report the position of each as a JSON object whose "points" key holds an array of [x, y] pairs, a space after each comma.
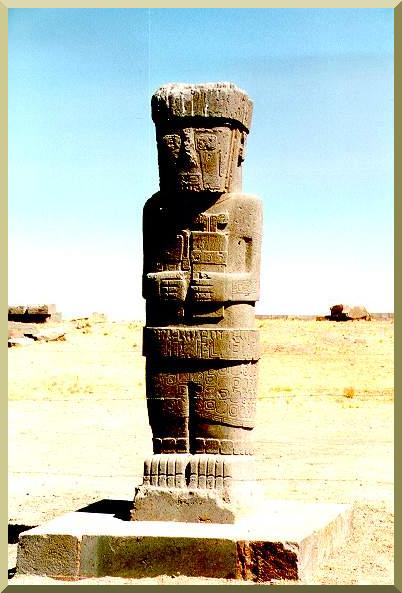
{"points": [[202, 240]]}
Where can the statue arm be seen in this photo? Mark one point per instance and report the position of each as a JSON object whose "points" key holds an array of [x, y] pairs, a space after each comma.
{"points": [[245, 247], [157, 283], [245, 284], [166, 286]]}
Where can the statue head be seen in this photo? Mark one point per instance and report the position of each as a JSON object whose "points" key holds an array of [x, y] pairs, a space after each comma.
{"points": [[201, 131]]}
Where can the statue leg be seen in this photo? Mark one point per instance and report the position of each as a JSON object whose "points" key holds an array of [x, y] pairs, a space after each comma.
{"points": [[168, 408], [222, 409]]}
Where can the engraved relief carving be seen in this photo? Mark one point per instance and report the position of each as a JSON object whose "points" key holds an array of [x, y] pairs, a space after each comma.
{"points": [[202, 240]]}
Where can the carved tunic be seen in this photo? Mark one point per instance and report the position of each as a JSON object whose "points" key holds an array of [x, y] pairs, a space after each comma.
{"points": [[201, 283], [202, 240]]}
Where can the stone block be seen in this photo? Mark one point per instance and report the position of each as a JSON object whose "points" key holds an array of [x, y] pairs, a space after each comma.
{"points": [[197, 488], [54, 555], [212, 446], [32, 313], [279, 540], [151, 556], [46, 310], [182, 505], [48, 334], [16, 310]]}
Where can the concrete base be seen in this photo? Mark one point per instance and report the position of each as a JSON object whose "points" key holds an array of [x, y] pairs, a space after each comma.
{"points": [[282, 540]]}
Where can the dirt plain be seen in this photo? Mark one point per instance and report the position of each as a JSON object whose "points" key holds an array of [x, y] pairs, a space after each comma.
{"points": [[78, 431]]}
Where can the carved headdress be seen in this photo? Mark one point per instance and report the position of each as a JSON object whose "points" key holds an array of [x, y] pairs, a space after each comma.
{"points": [[222, 100]]}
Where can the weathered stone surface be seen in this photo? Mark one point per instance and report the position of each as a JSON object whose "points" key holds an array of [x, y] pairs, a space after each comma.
{"points": [[26, 333], [55, 555], [345, 313], [281, 539], [114, 555], [33, 313], [16, 310], [182, 504], [336, 310], [47, 310], [202, 240], [211, 471], [356, 312], [206, 487], [200, 343], [205, 101], [48, 334]]}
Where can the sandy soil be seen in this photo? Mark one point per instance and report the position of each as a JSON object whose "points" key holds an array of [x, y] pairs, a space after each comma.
{"points": [[78, 431]]}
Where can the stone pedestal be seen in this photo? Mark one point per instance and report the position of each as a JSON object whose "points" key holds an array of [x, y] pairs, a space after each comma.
{"points": [[280, 540], [197, 488]]}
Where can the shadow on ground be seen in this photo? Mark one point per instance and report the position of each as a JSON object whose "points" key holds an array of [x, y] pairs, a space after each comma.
{"points": [[118, 508], [14, 531]]}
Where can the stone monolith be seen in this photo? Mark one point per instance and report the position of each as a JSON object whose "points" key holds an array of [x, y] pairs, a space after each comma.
{"points": [[198, 511], [201, 239]]}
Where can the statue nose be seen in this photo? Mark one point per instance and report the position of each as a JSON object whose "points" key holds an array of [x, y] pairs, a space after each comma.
{"points": [[188, 153]]}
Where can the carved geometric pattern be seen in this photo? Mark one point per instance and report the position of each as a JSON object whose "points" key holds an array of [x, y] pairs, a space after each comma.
{"points": [[223, 446], [204, 344], [166, 470], [170, 445], [226, 394], [192, 471]]}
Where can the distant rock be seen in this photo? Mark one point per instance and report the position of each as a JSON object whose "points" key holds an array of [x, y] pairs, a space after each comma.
{"points": [[356, 312], [336, 311], [48, 334], [14, 310], [347, 313], [33, 313], [33, 332]]}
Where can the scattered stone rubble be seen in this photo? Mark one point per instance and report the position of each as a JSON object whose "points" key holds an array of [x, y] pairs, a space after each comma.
{"points": [[33, 323]]}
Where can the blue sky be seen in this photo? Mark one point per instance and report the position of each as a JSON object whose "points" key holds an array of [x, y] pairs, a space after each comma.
{"points": [[82, 154]]}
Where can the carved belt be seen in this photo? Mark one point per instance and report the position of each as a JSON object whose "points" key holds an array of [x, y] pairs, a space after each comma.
{"points": [[201, 344]]}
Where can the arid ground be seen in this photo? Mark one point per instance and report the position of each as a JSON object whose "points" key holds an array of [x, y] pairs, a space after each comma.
{"points": [[78, 431]]}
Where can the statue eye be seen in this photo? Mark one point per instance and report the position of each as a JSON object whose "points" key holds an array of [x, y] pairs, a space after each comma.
{"points": [[206, 142], [172, 141]]}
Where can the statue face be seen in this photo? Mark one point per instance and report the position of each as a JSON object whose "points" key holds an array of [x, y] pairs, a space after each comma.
{"points": [[199, 159]]}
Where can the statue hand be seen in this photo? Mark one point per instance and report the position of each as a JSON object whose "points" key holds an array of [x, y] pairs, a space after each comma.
{"points": [[208, 287], [167, 286]]}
